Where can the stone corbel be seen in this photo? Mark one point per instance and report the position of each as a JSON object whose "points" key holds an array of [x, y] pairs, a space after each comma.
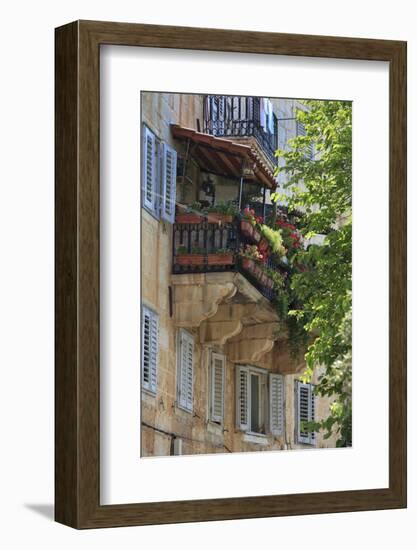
{"points": [[252, 343], [196, 299], [280, 360], [226, 323]]}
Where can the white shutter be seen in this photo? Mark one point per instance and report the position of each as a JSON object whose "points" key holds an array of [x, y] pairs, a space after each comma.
{"points": [[242, 398], [305, 412], [169, 183], [185, 370], [217, 387], [149, 170], [150, 328], [312, 413], [276, 404]]}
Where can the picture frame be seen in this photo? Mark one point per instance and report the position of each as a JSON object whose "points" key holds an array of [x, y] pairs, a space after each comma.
{"points": [[77, 333]]}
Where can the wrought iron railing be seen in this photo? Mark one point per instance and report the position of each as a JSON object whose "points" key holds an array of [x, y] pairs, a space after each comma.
{"points": [[238, 116], [201, 246]]}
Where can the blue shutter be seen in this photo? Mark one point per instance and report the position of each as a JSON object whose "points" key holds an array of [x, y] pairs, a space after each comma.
{"points": [[149, 171], [169, 183]]}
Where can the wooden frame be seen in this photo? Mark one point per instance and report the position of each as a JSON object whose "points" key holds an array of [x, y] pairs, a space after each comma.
{"points": [[77, 274]]}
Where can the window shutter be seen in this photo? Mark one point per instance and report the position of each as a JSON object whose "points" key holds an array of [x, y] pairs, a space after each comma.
{"points": [[242, 398], [217, 387], [169, 183], [301, 131], [185, 370], [150, 328], [276, 404], [305, 412], [312, 413], [149, 172]]}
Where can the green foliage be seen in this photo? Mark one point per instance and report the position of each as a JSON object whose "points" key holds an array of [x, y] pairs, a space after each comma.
{"points": [[181, 250], [274, 238], [228, 208], [321, 278]]}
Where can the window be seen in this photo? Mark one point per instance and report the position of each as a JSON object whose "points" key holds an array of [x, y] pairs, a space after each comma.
{"points": [[301, 131], [159, 176], [305, 411], [185, 367], [217, 387], [259, 398], [150, 328]]}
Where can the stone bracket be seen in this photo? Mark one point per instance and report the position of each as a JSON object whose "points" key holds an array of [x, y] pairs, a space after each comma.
{"points": [[225, 324], [252, 343]]}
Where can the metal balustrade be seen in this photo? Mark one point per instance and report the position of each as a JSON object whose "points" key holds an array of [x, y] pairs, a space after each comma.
{"points": [[199, 245]]}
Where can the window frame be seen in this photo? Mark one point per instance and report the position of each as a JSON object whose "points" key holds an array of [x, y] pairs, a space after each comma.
{"points": [[264, 401]]}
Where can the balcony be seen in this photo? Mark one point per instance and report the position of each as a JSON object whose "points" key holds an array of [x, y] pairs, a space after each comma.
{"points": [[241, 118], [212, 243]]}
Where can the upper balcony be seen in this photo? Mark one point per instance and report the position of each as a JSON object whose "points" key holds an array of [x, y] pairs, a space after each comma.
{"points": [[242, 119]]}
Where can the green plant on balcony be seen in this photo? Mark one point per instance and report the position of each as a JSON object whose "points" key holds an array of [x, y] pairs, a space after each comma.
{"points": [[274, 238], [222, 212]]}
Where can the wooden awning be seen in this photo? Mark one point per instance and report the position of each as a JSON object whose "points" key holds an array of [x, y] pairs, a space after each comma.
{"points": [[224, 157]]}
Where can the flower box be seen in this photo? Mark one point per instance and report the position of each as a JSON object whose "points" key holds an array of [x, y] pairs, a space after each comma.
{"points": [[217, 217], [190, 259], [188, 218], [220, 259]]}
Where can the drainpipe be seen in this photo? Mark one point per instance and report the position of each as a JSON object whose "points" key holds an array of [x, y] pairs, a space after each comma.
{"points": [[240, 192], [263, 204]]}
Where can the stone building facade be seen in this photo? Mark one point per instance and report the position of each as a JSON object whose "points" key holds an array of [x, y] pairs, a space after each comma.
{"points": [[217, 374]]}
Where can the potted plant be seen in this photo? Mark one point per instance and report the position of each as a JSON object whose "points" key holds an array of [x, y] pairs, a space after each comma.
{"points": [[249, 256], [193, 214], [222, 256], [195, 257], [247, 222], [274, 240], [223, 212]]}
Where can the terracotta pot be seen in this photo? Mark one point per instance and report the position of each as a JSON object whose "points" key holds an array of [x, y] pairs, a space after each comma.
{"points": [[220, 259], [190, 259], [216, 217], [188, 218], [256, 235], [248, 264], [246, 228], [264, 245], [257, 271]]}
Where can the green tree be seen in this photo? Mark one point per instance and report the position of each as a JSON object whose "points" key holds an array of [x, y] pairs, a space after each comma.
{"points": [[321, 188]]}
